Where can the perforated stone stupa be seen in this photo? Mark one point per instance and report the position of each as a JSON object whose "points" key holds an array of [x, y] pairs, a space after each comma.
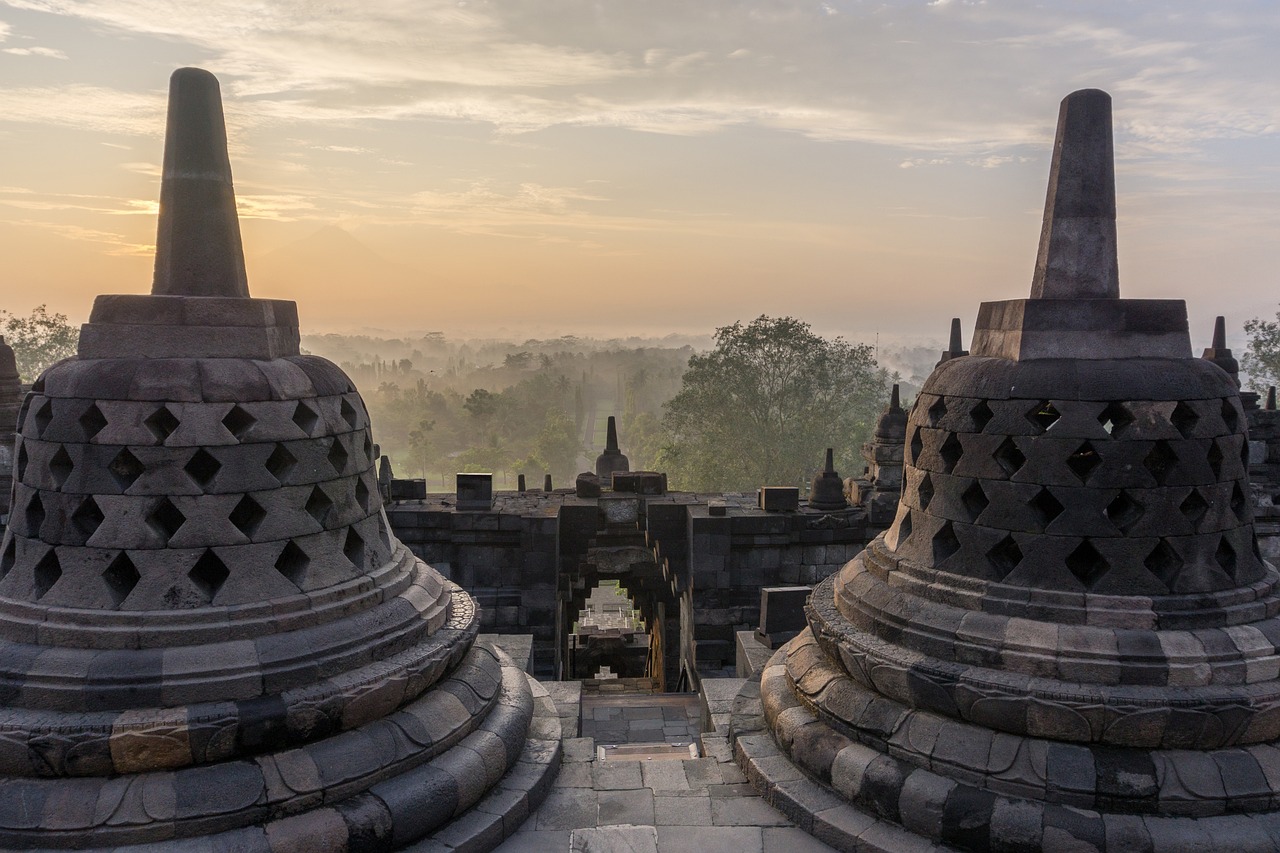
{"points": [[1068, 639], [209, 638]]}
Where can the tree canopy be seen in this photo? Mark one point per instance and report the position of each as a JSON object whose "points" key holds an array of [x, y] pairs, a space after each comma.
{"points": [[1261, 359], [762, 406], [38, 340]]}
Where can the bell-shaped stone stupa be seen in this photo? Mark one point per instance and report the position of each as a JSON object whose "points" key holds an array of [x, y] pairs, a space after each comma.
{"points": [[1067, 640], [209, 638]]}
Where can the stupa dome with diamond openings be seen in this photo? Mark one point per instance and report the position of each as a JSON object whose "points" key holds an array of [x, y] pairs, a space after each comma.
{"points": [[1067, 640], [209, 638]]}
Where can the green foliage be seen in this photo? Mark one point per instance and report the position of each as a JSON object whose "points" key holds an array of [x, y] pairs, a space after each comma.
{"points": [[1261, 359], [38, 340], [761, 407]]}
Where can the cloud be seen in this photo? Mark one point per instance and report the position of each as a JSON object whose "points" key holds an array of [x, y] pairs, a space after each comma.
{"points": [[94, 108], [48, 52], [968, 81]]}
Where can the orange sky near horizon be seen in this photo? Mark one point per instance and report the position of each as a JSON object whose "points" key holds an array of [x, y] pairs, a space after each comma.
{"points": [[529, 170]]}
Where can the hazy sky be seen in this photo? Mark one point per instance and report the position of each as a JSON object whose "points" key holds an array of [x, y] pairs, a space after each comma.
{"points": [[557, 166]]}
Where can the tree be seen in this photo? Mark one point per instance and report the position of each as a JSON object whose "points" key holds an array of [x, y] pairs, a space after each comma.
{"points": [[762, 406], [1261, 359], [39, 340]]}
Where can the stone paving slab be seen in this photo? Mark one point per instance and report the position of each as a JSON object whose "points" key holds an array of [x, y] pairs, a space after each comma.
{"points": [[702, 805]]}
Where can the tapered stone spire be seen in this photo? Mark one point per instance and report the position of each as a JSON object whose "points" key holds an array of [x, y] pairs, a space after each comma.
{"points": [[955, 347], [198, 250], [612, 459], [611, 436], [827, 490], [1077, 257], [1221, 355]]}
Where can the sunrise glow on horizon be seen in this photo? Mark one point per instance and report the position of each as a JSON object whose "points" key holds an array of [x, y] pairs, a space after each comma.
{"points": [[609, 169]]}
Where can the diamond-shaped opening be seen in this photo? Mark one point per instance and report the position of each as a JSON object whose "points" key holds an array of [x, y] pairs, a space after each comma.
{"points": [[1009, 457], [1087, 564], [1123, 511], [8, 558], [61, 466], [318, 505], [1114, 418], [974, 501], [125, 468], [38, 385], [982, 415], [1046, 506], [1215, 458], [917, 444], [1044, 415], [1159, 460], [47, 572], [349, 414], [362, 495], [353, 548], [1226, 557], [1194, 506], [945, 543], [280, 462], [368, 446], [950, 451], [1230, 415], [1238, 504], [904, 528], [305, 417], [44, 417], [92, 421], [925, 491], [1164, 563], [1184, 419], [21, 470], [247, 516], [209, 574], [202, 467], [238, 422], [121, 577], [1005, 556], [87, 518], [292, 563], [338, 456], [1084, 461], [162, 423], [165, 518], [937, 412], [35, 515]]}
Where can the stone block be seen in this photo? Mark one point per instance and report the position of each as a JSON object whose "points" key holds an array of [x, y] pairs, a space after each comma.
{"points": [[475, 491], [779, 498]]}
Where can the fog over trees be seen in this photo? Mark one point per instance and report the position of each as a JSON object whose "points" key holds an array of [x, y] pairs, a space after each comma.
{"points": [[756, 404]]}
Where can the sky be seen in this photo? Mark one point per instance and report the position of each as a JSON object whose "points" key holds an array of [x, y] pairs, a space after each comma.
{"points": [[546, 167]]}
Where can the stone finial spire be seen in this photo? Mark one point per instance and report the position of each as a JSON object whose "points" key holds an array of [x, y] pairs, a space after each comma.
{"points": [[612, 459], [198, 249], [546, 483], [1077, 256], [1270, 405], [955, 346], [895, 399], [611, 436], [827, 489], [1221, 355]]}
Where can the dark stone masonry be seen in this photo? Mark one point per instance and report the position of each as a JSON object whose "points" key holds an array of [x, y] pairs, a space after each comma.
{"points": [[1068, 638], [210, 640], [1042, 618]]}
